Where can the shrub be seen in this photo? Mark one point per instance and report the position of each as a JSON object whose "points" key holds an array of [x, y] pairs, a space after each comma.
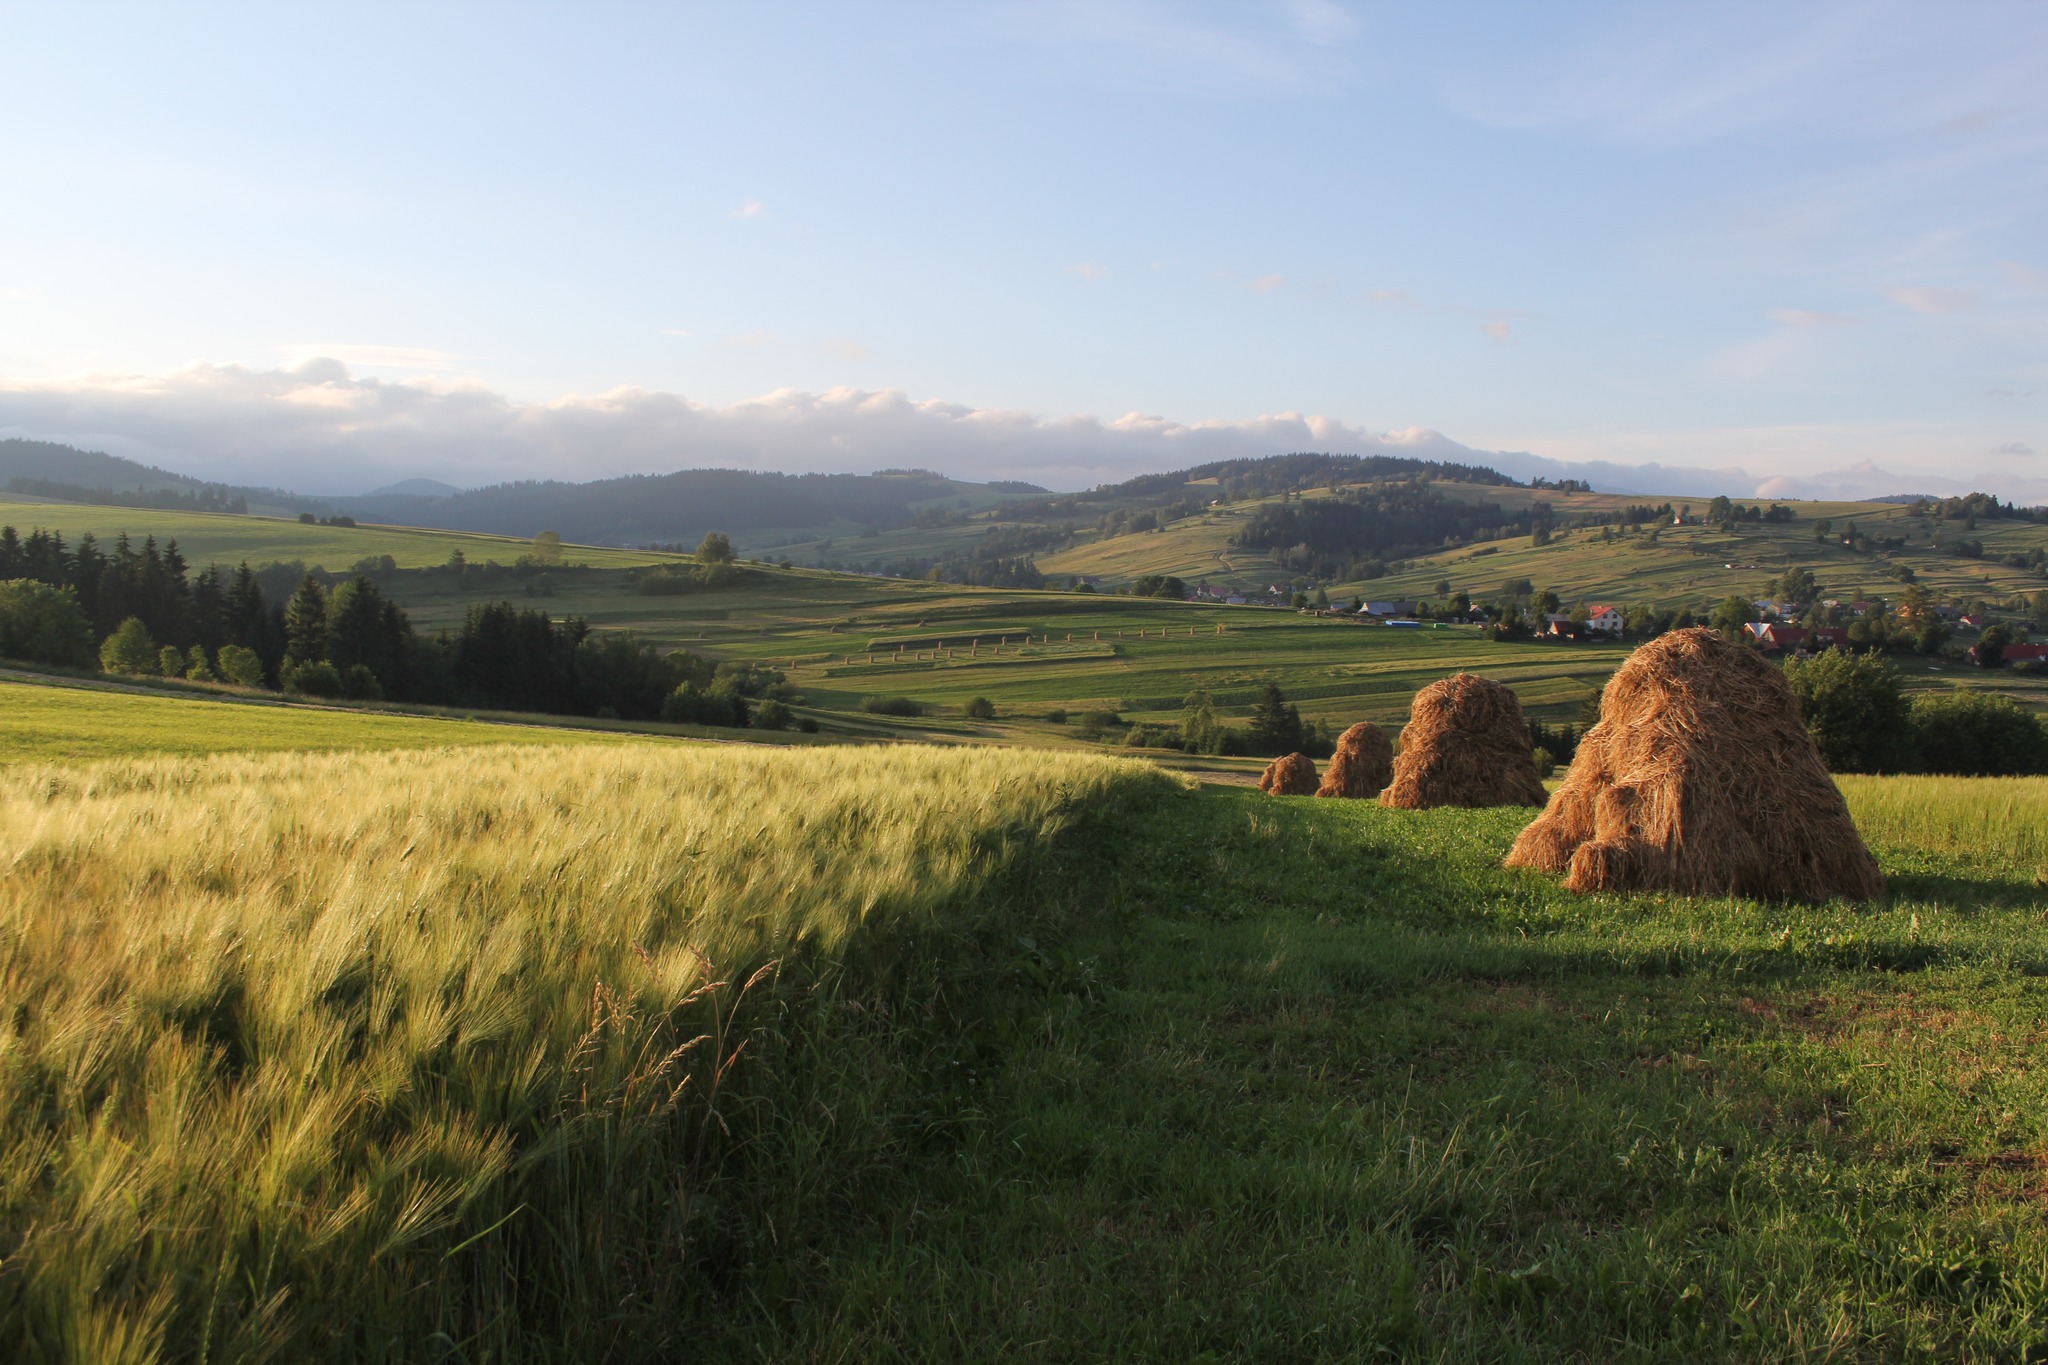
{"points": [[241, 665], [691, 704], [44, 625], [1056, 716], [360, 684], [196, 667], [1977, 734], [170, 661], [981, 708], [315, 679], [1854, 706], [129, 649], [771, 715], [892, 706], [808, 725], [1094, 723]]}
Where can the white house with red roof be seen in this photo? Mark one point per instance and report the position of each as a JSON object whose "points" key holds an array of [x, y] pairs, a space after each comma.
{"points": [[1603, 619]]}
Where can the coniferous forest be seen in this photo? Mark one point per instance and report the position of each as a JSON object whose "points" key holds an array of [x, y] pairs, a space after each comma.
{"points": [[143, 610]]}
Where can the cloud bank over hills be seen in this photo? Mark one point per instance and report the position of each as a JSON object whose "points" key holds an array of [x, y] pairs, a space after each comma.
{"points": [[317, 427]]}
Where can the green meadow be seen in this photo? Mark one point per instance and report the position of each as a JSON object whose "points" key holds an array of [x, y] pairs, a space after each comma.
{"points": [[637, 1051], [57, 722], [209, 538]]}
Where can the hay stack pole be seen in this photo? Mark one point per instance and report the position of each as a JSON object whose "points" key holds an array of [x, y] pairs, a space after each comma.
{"points": [[1362, 765], [1700, 779], [1465, 744], [1294, 775]]}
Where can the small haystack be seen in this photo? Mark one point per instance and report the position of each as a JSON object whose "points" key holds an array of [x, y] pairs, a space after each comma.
{"points": [[1700, 779], [1293, 775], [1466, 744], [1363, 763]]}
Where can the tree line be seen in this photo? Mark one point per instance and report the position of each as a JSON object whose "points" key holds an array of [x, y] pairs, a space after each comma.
{"points": [[140, 610]]}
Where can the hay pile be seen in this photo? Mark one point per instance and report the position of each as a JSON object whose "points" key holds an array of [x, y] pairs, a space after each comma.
{"points": [[1293, 775], [1700, 779], [1466, 744], [1363, 763]]}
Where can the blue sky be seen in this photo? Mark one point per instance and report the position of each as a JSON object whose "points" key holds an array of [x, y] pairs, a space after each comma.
{"points": [[1062, 241]]}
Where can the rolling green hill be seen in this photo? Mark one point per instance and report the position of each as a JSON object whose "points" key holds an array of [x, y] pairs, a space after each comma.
{"points": [[209, 537]]}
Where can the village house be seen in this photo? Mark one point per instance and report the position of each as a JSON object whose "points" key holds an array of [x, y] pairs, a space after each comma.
{"points": [[1776, 635], [1603, 619]]}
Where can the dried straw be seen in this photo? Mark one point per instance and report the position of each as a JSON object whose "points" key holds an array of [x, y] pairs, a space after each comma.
{"points": [[1363, 763], [1465, 744], [1294, 775], [1700, 779]]}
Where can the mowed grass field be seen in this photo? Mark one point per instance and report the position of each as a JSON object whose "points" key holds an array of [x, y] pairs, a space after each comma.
{"points": [[218, 538], [1137, 656], [628, 1052], [56, 722]]}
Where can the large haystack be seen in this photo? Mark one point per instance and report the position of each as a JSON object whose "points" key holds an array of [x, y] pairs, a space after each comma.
{"points": [[1466, 744], [1700, 779], [1363, 763], [1293, 775]]}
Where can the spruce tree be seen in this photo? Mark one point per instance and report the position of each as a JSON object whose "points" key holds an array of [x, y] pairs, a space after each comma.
{"points": [[305, 623], [1276, 726]]}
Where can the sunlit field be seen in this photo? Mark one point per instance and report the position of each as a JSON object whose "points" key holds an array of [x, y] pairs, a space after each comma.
{"points": [[55, 723], [346, 1055]]}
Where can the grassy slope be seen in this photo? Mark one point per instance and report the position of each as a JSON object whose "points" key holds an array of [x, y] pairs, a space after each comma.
{"points": [[206, 538], [48, 723], [1321, 1082], [1686, 566]]}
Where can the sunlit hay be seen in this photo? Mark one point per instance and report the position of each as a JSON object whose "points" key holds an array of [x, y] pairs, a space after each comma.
{"points": [[307, 1040], [1700, 779], [1294, 775], [1362, 765], [1466, 744]]}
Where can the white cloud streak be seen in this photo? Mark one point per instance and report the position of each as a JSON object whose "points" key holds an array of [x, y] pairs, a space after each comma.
{"points": [[318, 427]]}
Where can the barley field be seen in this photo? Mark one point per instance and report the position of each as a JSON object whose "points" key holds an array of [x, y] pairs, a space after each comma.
{"points": [[347, 1055]]}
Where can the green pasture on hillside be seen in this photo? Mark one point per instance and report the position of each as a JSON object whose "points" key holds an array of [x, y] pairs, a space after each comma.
{"points": [[208, 538], [60, 723]]}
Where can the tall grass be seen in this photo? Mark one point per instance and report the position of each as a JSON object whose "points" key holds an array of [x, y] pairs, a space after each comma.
{"points": [[1987, 819], [442, 1055]]}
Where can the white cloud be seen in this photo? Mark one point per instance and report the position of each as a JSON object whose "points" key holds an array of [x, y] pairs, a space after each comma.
{"points": [[2023, 275], [1321, 21], [320, 428], [2014, 448], [368, 357], [1266, 284], [751, 208], [1090, 273], [1499, 331], [1928, 299]]}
